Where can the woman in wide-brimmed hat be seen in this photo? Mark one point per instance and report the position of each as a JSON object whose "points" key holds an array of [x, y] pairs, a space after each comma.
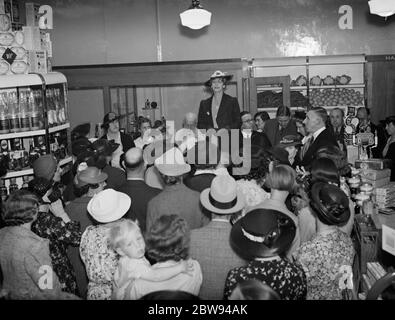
{"points": [[262, 237], [100, 260], [331, 250], [220, 110]]}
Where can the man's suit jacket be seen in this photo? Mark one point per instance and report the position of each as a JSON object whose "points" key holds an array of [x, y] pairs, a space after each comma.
{"points": [[228, 116], [325, 138], [257, 138], [339, 137], [141, 194], [273, 132], [210, 246]]}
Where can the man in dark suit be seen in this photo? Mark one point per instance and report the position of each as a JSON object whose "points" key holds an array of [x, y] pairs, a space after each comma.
{"points": [[276, 129], [220, 110], [318, 136], [210, 244], [337, 128], [136, 188], [247, 132]]}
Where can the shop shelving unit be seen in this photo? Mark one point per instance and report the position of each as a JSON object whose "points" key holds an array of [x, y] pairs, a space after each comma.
{"points": [[51, 121]]}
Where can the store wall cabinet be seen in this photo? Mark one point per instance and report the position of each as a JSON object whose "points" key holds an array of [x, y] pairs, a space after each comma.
{"points": [[33, 121], [327, 81]]}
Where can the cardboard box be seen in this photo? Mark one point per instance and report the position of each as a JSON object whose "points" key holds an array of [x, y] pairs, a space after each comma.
{"points": [[376, 164], [376, 183], [38, 61], [375, 174]]}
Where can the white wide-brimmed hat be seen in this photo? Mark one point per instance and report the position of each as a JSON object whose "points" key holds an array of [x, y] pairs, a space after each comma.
{"points": [[172, 163], [222, 197], [109, 205]]}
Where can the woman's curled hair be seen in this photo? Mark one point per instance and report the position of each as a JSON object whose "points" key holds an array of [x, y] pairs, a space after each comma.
{"points": [[168, 239], [20, 207]]}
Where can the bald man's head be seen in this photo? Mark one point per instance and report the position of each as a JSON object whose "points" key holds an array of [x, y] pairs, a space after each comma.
{"points": [[190, 120], [134, 159]]}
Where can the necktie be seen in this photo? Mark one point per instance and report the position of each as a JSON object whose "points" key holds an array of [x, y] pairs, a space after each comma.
{"points": [[307, 145]]}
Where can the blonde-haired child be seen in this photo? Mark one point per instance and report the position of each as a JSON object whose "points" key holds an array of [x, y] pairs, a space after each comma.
{"points": [[126, 239]]}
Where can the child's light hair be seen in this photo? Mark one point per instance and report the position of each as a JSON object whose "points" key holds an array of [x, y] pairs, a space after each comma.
{"points": [[119, 233]]}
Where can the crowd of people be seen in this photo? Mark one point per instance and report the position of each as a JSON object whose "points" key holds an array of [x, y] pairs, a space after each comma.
{"points": [[161, 218]]}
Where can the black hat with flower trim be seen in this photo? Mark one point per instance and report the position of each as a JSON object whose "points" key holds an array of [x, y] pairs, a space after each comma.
{"points": [[262, 233], [330, 204]]}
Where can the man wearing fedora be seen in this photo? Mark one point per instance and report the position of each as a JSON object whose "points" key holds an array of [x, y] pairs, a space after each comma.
{"points": [[135, 186], [220, 110], [175, 198], [210, 244]]}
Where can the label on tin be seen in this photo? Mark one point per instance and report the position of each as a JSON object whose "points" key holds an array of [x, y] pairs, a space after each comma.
{"points": [[15, 124], [4, 125], [25, 123]]}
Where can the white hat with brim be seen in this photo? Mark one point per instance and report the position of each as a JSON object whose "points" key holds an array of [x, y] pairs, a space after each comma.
{"points": [[172, 163], [223, 196], [109, 205]]}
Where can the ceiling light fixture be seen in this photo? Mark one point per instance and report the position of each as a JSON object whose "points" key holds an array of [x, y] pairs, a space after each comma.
{"points": [[383, 8], [195, 17]]}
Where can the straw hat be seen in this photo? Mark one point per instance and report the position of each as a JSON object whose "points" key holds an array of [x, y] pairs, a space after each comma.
{"points": [[222, 197], [172, 163]]}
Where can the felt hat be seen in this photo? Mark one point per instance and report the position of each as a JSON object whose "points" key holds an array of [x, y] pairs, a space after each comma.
{"points": [[222, 197], [105, 147], [290, 140], [218, 74], [45, 166], [82, 130], [279, 154], [80, 145], [172, 163], [330, 204], [91, 175], [262, 233], [108, 205]]}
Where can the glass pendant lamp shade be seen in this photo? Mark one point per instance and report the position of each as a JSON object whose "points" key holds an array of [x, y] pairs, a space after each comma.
{"points": [[383, 8], [195, 17]]}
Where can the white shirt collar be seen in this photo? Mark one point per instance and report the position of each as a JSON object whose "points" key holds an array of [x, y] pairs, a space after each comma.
{"points": [[317, 133], [246, 133]]}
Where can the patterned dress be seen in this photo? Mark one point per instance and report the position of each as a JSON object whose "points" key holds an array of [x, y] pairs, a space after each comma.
{"points": [[323, 259], [100, 261], [283, 276], [60, 236]]}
